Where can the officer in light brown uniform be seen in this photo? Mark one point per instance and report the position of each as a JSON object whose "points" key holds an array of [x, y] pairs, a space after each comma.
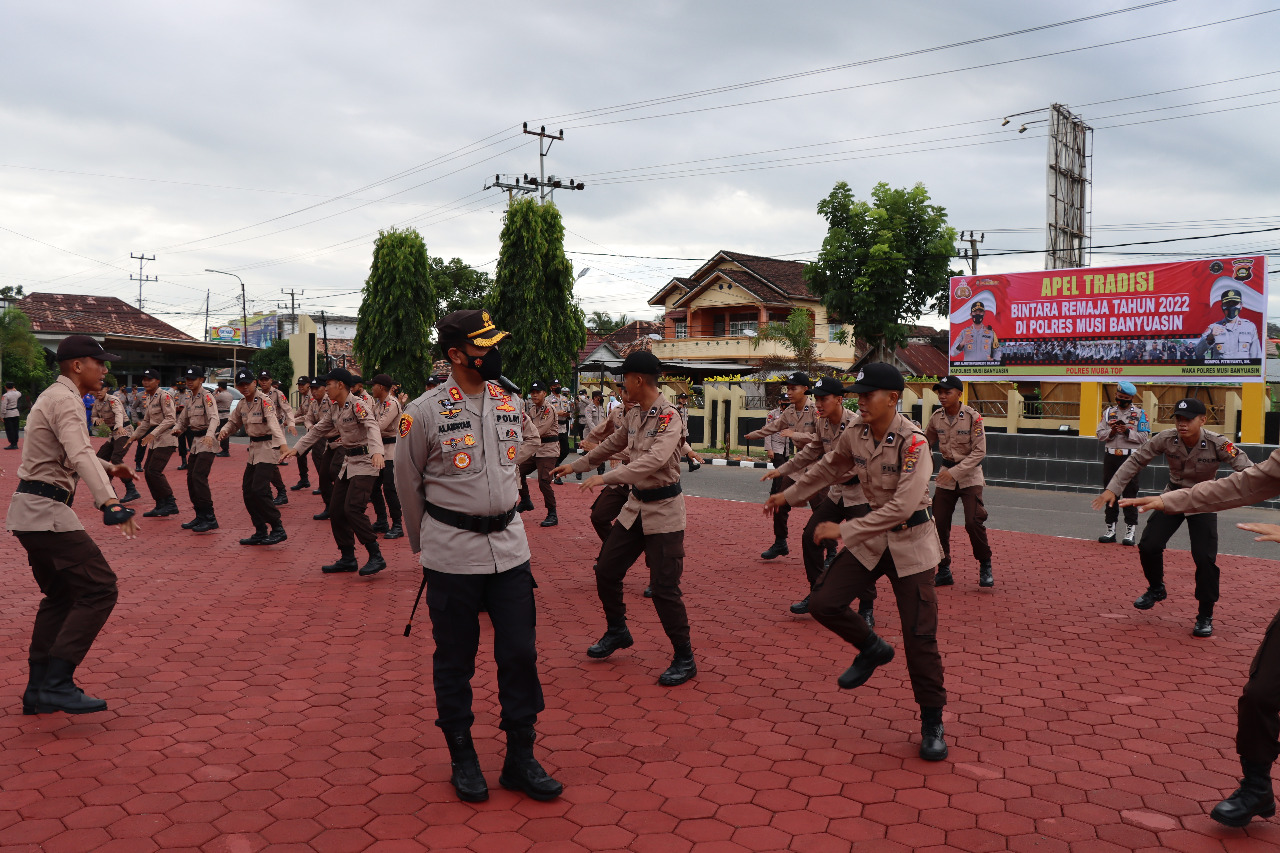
{"points": [[79, 587], [1123, 429], [459, 502], [891, 458], [155, 432], [331, 457], [224, 400], [1193, 455], [543, 415], [593, 414], [259, 419], [961, 439], [109, 412], [652, 521], [284, 412], [302, 417], [199, 420], [181, 397], [361, 463], [797, 414], [385, 500]]}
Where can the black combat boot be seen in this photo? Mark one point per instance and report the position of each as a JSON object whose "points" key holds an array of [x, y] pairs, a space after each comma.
{"points": [[160, 510], [682, 667], [345, 563], [868, 615], [304, 483], [210, 522], [376, 564], [550, 521], [522, 772], [777, 549], [188, 525], [875, 653], [1254, 797], [131, 493], [617, 637], [467, 779], [1204, 626], [801, 607], [59, 692], [34, 680], [944, 576], [648, 592], [1148, 599], [281, 499], [525, 505], [932, 745], [276, 536], [985, 578], [323, 516], [396, 530], [380, 525], [183, 466], [172, 506], [259, 537]]}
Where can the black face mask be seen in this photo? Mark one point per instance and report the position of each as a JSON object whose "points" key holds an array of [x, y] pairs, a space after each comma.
{"points": [[489, 366]]}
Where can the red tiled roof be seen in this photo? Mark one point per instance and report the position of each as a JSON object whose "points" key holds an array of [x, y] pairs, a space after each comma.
{"points": [[74, 313], [593, 341], [632, 331], [923, 359], [751, 284], [787, 276]]}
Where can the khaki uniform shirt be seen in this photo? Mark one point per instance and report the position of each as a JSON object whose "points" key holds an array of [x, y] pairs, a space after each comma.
{"points": [[357, 429], [9, 403], [110, 413], [481, 477], [961, 440], [564, 407], [773, 442], [310, 412], [684, 420], [158, 418], [800, 421], [258, 417], [123, 398], [846, 493], [224, 400], [329, 432], [545, 425], [57, 452], [895, 478], [606, 428], [593, 416], [138, 404], [1250, 486], [201, 416], [280, 402], [1136, 430], [388, 417], [652, 440], [977, 343], [1187, 465]]}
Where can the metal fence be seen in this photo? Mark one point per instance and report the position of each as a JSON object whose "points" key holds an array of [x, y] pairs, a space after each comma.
{"points": [[1058, 410]]}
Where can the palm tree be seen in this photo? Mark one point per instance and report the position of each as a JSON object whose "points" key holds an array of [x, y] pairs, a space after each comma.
{"points": [[603, 324]]}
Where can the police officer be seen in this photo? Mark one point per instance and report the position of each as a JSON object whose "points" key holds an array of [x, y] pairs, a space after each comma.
{"points": [[564, 409], [891, 458], [284, 412], [362, 461], [1123, 429], [799, 415], [593, 415], [109, 412], [682, 406], [652, 521], [222, 397], [459, 507], [1258, 725], [1234, 337], [977, 342], [259, 419], [79, 587], [9, 411], [543, 415], [1193, 455], [181, 397], [302, 417], [155, 431], [331, 460], [199, 421], [957, 431], [842, 501], [385, 500]]}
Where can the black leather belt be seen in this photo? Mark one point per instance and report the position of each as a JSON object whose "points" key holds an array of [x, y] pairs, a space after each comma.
{"points": [[917, 518], [474, 523], [550, 439], [852, 481], [258, 438], [947, 463], [660, 494], [45, 490], [391, 440], [357, 451]]}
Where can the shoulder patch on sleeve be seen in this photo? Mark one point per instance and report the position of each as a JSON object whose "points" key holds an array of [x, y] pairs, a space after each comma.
{"points": [[406, 423], [1230, 449]]}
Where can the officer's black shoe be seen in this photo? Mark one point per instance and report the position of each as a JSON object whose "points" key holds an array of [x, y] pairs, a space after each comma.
{"points": [[345, 563], [187, 525], [522, 772], [648, 592], [944, 577], [323, 516], [395, 532], [160, 510], [59, 693], [183, 466], [376, 564], [550, 520], [315, 491], [1254, 797], [525, 505], [1204, 627], [467, 779], [578, 475], [1148, 599], [223, 453], [869, 616], [985, 577], [801, 607], [276, 536], [777, 549], [209, 522], [615, 638], [281, 499], [681, 670], [877, 653], [932, 745], [300, 485], [259, 537], [381, 526], [1110, 535], [130, 494], [36, 678], [558, 481]]}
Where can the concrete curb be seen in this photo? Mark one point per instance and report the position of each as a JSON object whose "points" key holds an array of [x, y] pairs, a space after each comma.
{"points": [[737, 463]]}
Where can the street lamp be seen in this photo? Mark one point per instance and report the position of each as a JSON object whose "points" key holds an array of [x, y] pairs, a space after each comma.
{"points": [[4, 309], [581, 273], [244, 316]]}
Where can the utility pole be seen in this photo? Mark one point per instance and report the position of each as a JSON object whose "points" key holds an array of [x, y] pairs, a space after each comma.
{"points": [[206, 315], [546, 185], [971, 254], [293, 306], [142, 279], [324, 324]]}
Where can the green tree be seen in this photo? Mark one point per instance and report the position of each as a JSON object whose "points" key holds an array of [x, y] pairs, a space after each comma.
{"points": [[533, 295], [883, 263], [603, 324], [275, 360], [796, 337], [459, 287], [397, 312], [24, 362]]}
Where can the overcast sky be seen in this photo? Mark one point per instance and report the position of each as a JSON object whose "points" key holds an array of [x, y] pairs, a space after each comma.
{"points": [[274, 139]]}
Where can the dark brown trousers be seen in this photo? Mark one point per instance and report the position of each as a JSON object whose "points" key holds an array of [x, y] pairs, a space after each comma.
{"points": [[384, 497], [815, 555], [198, 467], [153, 472], [975, 516], [113, 449], [917, 598], [606, 508], [277, 479], [79, 593], [544, 467], [328, 468], [346, 513], [1258, 730], [664, 554], [255, 486]]}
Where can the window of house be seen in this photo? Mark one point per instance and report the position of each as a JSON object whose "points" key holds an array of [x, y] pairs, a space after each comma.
{"points": [[682, 329], [833, 329], [738, 323]]}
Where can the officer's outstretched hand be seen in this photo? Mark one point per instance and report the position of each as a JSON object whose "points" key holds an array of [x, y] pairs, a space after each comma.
{"points": [[377, 460], [124, 472], [825, 532], [286, 452], [1150, 504], [1269, 532], [774, 503], [1107, 498], [587, 484], [768, 475], [564, 471]]}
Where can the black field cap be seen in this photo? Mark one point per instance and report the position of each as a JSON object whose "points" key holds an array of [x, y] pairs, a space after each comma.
{"points": [[877, 377], [151, 374], [244, 377], [434, 381], [194, 373], [537, 386], [641, 362], [827, 385], [303, 380], [798, 378], [316, 383], [383, 379], [264, 374], [339, 374], [83, 346], [680, 396], [1232, 296], [357, 380], [555, 383], [1189, 408], [949, 383], [473, 325]]}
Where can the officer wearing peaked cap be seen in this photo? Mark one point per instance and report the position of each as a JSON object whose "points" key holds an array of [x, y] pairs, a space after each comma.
{"points": [[303, 417], [1123, 429], [543, 415], [1233, 337], [459, 501], [792, 422], [258, 417], [110, 412], [199, 420], [284, 413], [386, 502], [155, 431]]}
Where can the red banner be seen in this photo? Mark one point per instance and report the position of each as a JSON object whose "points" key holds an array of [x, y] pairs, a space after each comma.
{"points": [[1185, 321]]}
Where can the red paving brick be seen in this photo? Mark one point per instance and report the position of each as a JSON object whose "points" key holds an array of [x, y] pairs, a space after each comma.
{"points": [[258, 704]]}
